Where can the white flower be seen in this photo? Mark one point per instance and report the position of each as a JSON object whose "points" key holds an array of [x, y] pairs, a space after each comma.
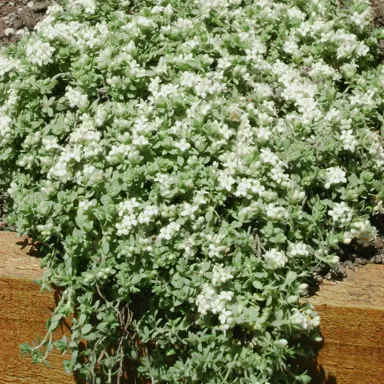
{"points": [[320, 69], [147, 215], [226, 295], [89, 6], [215, 250], [226, 181], [341, 214], [189, 210], [303, 289], [295, 13], [306, 318], [145, 22], [55, 9], [89, 175], [220, 274], [249, 187], [298, 250], [5, 129], [363, 231], [203, 300], [291, 46], [8, 64], [128, 206], [268, 157], [297, 196], [126, 225], [275, 259], [276, 213], [39, 53], [76, 98], [211, 301], [281, 343], [87, 204], [183, 145], [349, 69], [169, 231], [334, 175], [363, 19], [348, 140]]}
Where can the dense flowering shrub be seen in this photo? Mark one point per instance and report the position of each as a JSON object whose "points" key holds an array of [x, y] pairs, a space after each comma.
{"points": [[185, 165]]}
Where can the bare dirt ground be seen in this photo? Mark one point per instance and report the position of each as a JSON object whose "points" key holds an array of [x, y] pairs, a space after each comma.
{"points": [[16, 16]]}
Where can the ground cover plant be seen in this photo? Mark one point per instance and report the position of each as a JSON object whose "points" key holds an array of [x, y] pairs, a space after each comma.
{"points": [[185, 165]]}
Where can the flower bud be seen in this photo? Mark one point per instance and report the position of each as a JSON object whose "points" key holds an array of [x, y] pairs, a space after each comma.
{"points": [[303, 289], [334, 260], [281, 343]]}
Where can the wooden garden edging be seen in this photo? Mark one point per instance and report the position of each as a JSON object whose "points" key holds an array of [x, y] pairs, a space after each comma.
{"points": [[352, 325], [352, 314], [23, 313]]}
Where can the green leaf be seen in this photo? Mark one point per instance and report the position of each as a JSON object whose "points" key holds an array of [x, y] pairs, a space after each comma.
{"points": [[171, 352], [136, 279], [86, 329], [257, 284], [304, 379]]}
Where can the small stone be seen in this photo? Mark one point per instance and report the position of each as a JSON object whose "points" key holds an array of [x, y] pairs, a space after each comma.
{"points": [[20, 32], [9, 31], [18, 24], [11, 4], [31, 4]]}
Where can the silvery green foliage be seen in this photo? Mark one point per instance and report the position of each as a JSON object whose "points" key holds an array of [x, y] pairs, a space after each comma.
{"points": [[185, 165]]}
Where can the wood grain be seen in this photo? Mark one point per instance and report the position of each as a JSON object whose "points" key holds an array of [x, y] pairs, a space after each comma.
{"points": [[352, 325], [23, 313]]}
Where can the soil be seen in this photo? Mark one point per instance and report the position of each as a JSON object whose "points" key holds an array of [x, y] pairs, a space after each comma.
{"points": [[18, 16], [378, 20], [378, 12]]}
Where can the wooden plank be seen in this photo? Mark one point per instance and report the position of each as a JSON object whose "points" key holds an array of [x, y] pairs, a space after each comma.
{"points": [[352, 325], [23, 313], [352, 314]]}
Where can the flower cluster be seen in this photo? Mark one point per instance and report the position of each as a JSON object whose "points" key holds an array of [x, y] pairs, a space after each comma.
{"points": [[8, 64], [192, 162], [217, 303], [341, 214], [334, 175], [39, 53], [76, 98], [363, 231], [275, 259], [306, 318]]}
